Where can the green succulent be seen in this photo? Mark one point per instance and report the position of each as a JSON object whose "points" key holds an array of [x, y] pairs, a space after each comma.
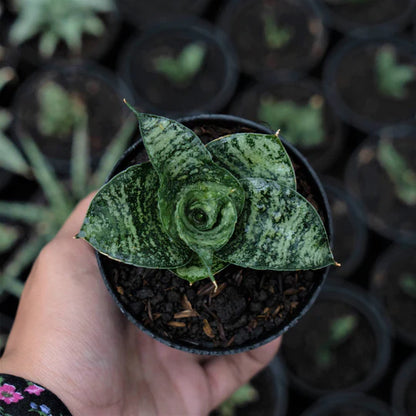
{"points": [[276, 36], [302, 125], [407, 282], [195, 209], [46, 219], [398, 170], [244, 395], [340, 330], [58, 20], [180, 70], [60, 111], [392, 78]]}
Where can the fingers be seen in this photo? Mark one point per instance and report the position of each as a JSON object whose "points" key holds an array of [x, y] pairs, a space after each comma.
{"points": [[225, 374], [74, 222]]}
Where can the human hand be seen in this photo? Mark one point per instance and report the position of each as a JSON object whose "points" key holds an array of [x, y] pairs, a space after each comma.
{"points": [[70, 336]]}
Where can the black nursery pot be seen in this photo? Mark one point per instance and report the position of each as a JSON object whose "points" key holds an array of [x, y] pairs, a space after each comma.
{"points": [[100, 91], [350, 232], [271, 385], [252, 307], [244, 21], [350, 84], [358, 363], [404, 388], [367, 18], [300, 92], [208, 91], [369, 182], [145, 13], [349, 404], [387, 283]]}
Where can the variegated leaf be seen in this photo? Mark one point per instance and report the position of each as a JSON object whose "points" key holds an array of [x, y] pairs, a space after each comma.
{"points": [[251, 155], [278, 230], [123, 222]]}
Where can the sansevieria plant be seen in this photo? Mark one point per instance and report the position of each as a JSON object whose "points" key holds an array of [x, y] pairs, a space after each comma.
{"points": [[195, 209]]}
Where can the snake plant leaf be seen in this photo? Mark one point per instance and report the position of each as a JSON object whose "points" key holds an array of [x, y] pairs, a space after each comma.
{"points": [[252, 155], [278, 230], [195, 270], [123, 222]]}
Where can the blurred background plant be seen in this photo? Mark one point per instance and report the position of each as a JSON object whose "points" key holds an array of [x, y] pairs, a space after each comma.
{"points": [[244, 395], [55, 21]]}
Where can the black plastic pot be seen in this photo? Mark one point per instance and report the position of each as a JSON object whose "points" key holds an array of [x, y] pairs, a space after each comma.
{"points": [[109, 267], [404, 388], [368, 18], [243, 21], [208, 91], [339, 299], [349, 403], [146, 13], [271, 385], [301, 92], [100, 90], [350, 232], [400, 306], [365, 178], [92, 47], [351, 88]]}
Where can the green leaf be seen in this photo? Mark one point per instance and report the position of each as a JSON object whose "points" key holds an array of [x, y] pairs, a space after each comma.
{"points": [[25, 212], [195, 270], [278, 230], [341, 329], [123, 222], [276, 36], [244, 395], [8, 237], [251, 155], [10, 157]]}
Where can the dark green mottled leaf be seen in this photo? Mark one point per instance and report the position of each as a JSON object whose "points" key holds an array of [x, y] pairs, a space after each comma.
{"points": [[251, 155], [195, 270], [278, 230], [123, 222]]}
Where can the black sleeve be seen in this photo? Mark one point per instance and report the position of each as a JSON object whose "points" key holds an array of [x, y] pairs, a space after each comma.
{"points": [[20, 397]]}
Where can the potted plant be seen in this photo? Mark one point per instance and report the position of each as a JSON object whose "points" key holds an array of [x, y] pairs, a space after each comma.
{"points": [[386, 69], [240, 307], [48, 106], [350, 232], [366, 18], [393, 281], [404, 388], [349, 404], [342, 344], [143, 14], [46, 29], [265, 394], [44, 216], [180, 68], [272, 36], [299, 109], [382, 175]]}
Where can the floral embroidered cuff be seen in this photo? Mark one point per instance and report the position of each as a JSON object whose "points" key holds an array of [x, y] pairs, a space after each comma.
{"points": [[20, 397]]}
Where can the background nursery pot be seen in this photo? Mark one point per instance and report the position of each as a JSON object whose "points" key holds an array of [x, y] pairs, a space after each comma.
{"points": [[353, 404], [250, 308], [404, 388], [347, 328]]}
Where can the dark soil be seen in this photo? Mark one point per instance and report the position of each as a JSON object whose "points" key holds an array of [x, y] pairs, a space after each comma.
{"points": [[369, 182], [155, 92], [410, 403], [367, 13], [356, 83], [249, 306], [245, 25], [400, 306], [102, 100], [351, 361], [300, 92]]}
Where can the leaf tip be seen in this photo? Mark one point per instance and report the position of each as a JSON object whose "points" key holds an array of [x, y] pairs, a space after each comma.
{"points": [[337, 264]]}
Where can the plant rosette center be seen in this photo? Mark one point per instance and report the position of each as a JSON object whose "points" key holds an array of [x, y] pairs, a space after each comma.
{"points": [[196, 209]]}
